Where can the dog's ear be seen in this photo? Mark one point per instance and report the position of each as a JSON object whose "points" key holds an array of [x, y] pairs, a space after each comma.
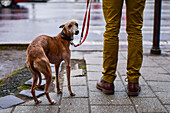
{"points": [[62, 26]]}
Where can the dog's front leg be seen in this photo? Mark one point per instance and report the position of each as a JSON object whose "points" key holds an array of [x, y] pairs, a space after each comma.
{"points": [[57, 77], [68, 77]]}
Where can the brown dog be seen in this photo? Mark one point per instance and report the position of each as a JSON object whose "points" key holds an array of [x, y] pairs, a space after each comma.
{"points": [[45, 50]]}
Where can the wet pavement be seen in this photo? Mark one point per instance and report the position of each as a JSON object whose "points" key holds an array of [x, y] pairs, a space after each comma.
{"points": [[10, 61], [154, 95], [45, 18], [23, 24]]}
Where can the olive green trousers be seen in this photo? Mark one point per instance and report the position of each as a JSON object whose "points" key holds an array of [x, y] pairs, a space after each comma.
{"points": [[112, 10]]}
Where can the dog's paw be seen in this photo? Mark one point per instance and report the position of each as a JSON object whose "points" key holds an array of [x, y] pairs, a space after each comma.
{"points": [[52, 102], [38, 101], [72, 94]]}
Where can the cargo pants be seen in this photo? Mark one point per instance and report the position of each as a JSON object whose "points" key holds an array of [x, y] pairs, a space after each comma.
{"points": [[112, 10]]}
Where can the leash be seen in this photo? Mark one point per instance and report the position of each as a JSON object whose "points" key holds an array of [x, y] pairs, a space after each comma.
{"points": [[82, 39]]}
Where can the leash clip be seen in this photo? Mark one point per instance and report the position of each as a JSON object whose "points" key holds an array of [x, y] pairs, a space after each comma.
{"points": [[86, 17]]}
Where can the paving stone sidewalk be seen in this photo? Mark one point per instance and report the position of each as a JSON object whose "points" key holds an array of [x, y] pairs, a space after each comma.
{"points": [[154, 96]]}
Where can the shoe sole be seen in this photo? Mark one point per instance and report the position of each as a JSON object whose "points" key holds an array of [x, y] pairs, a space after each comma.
{"points": [[104, 90], [133, 93]]}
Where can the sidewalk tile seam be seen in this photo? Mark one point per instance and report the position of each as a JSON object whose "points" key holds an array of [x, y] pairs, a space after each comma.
{"points": [[73, 97], [156, 81], [155, 95], [112, 105], [88, 91], [94, 64], [126, 92], [39, 105], [93, 71]]}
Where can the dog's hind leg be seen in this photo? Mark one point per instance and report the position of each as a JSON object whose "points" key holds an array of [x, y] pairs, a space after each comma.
{"points": [[34, 83], [46, 70], [35, 75], [57, 78]]}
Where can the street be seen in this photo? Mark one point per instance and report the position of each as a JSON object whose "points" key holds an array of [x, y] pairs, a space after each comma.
{"points": [[23, 24]]}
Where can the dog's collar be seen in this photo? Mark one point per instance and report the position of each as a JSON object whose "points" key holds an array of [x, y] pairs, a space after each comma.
{"points": [[65, 37]]}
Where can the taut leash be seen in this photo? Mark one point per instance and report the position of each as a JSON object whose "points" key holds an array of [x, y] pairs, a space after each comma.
{"points": [[82, 39]]}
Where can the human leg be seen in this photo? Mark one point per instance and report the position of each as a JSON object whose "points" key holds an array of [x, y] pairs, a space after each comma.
{"points": [[112, 10], [135, 47]]}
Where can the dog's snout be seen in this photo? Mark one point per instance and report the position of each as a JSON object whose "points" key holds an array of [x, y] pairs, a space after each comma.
{"points": [[77, 32]]}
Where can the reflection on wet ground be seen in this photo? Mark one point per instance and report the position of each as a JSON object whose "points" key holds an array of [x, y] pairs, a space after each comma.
{"points": [[33, 19], [97, 13], [13, 13]]}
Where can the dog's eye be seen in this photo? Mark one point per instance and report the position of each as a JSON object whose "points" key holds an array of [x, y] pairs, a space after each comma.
{"points": [[76, 24], [69, 26]]}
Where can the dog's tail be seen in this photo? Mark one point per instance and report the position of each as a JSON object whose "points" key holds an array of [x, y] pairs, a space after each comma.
{"points": [[37, 73], [40, 80]]}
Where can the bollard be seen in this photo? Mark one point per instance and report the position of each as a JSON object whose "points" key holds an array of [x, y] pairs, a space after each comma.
{"points": [[156, 34]]}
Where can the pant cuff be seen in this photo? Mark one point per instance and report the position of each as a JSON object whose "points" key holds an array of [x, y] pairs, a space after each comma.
{"points": [[133, 80], [109, 78]]}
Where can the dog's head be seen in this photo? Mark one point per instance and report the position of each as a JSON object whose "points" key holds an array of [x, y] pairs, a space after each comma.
{"points": [[71, 27]]}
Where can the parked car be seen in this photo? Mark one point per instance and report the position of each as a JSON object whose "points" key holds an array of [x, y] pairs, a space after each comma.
{"points": [[9, 3]]}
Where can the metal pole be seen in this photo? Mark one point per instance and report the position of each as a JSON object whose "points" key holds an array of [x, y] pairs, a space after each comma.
{"points": [[156, 34]]}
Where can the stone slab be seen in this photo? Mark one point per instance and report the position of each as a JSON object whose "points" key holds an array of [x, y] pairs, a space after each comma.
{"points": [[35, 109], [157, 57], [145, 92], [53, 96], [122, 61], [53, 69], [81, 91], [111, 109], [119, 86], [77, 72], [153, 70], [77, 55], [168, 107], [119, 98], [74, 105], [122, 72], [29, 82], [94, 61], [8, 110], [94, 68], [147, 62], [162, 61], [27, 93], [166, 67], [94, 55], [160, 86], [9, 101], [94, 76], [157, 77], [148, 105], [75, 81], [164, 97], [92, 86], [121, 66]]}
